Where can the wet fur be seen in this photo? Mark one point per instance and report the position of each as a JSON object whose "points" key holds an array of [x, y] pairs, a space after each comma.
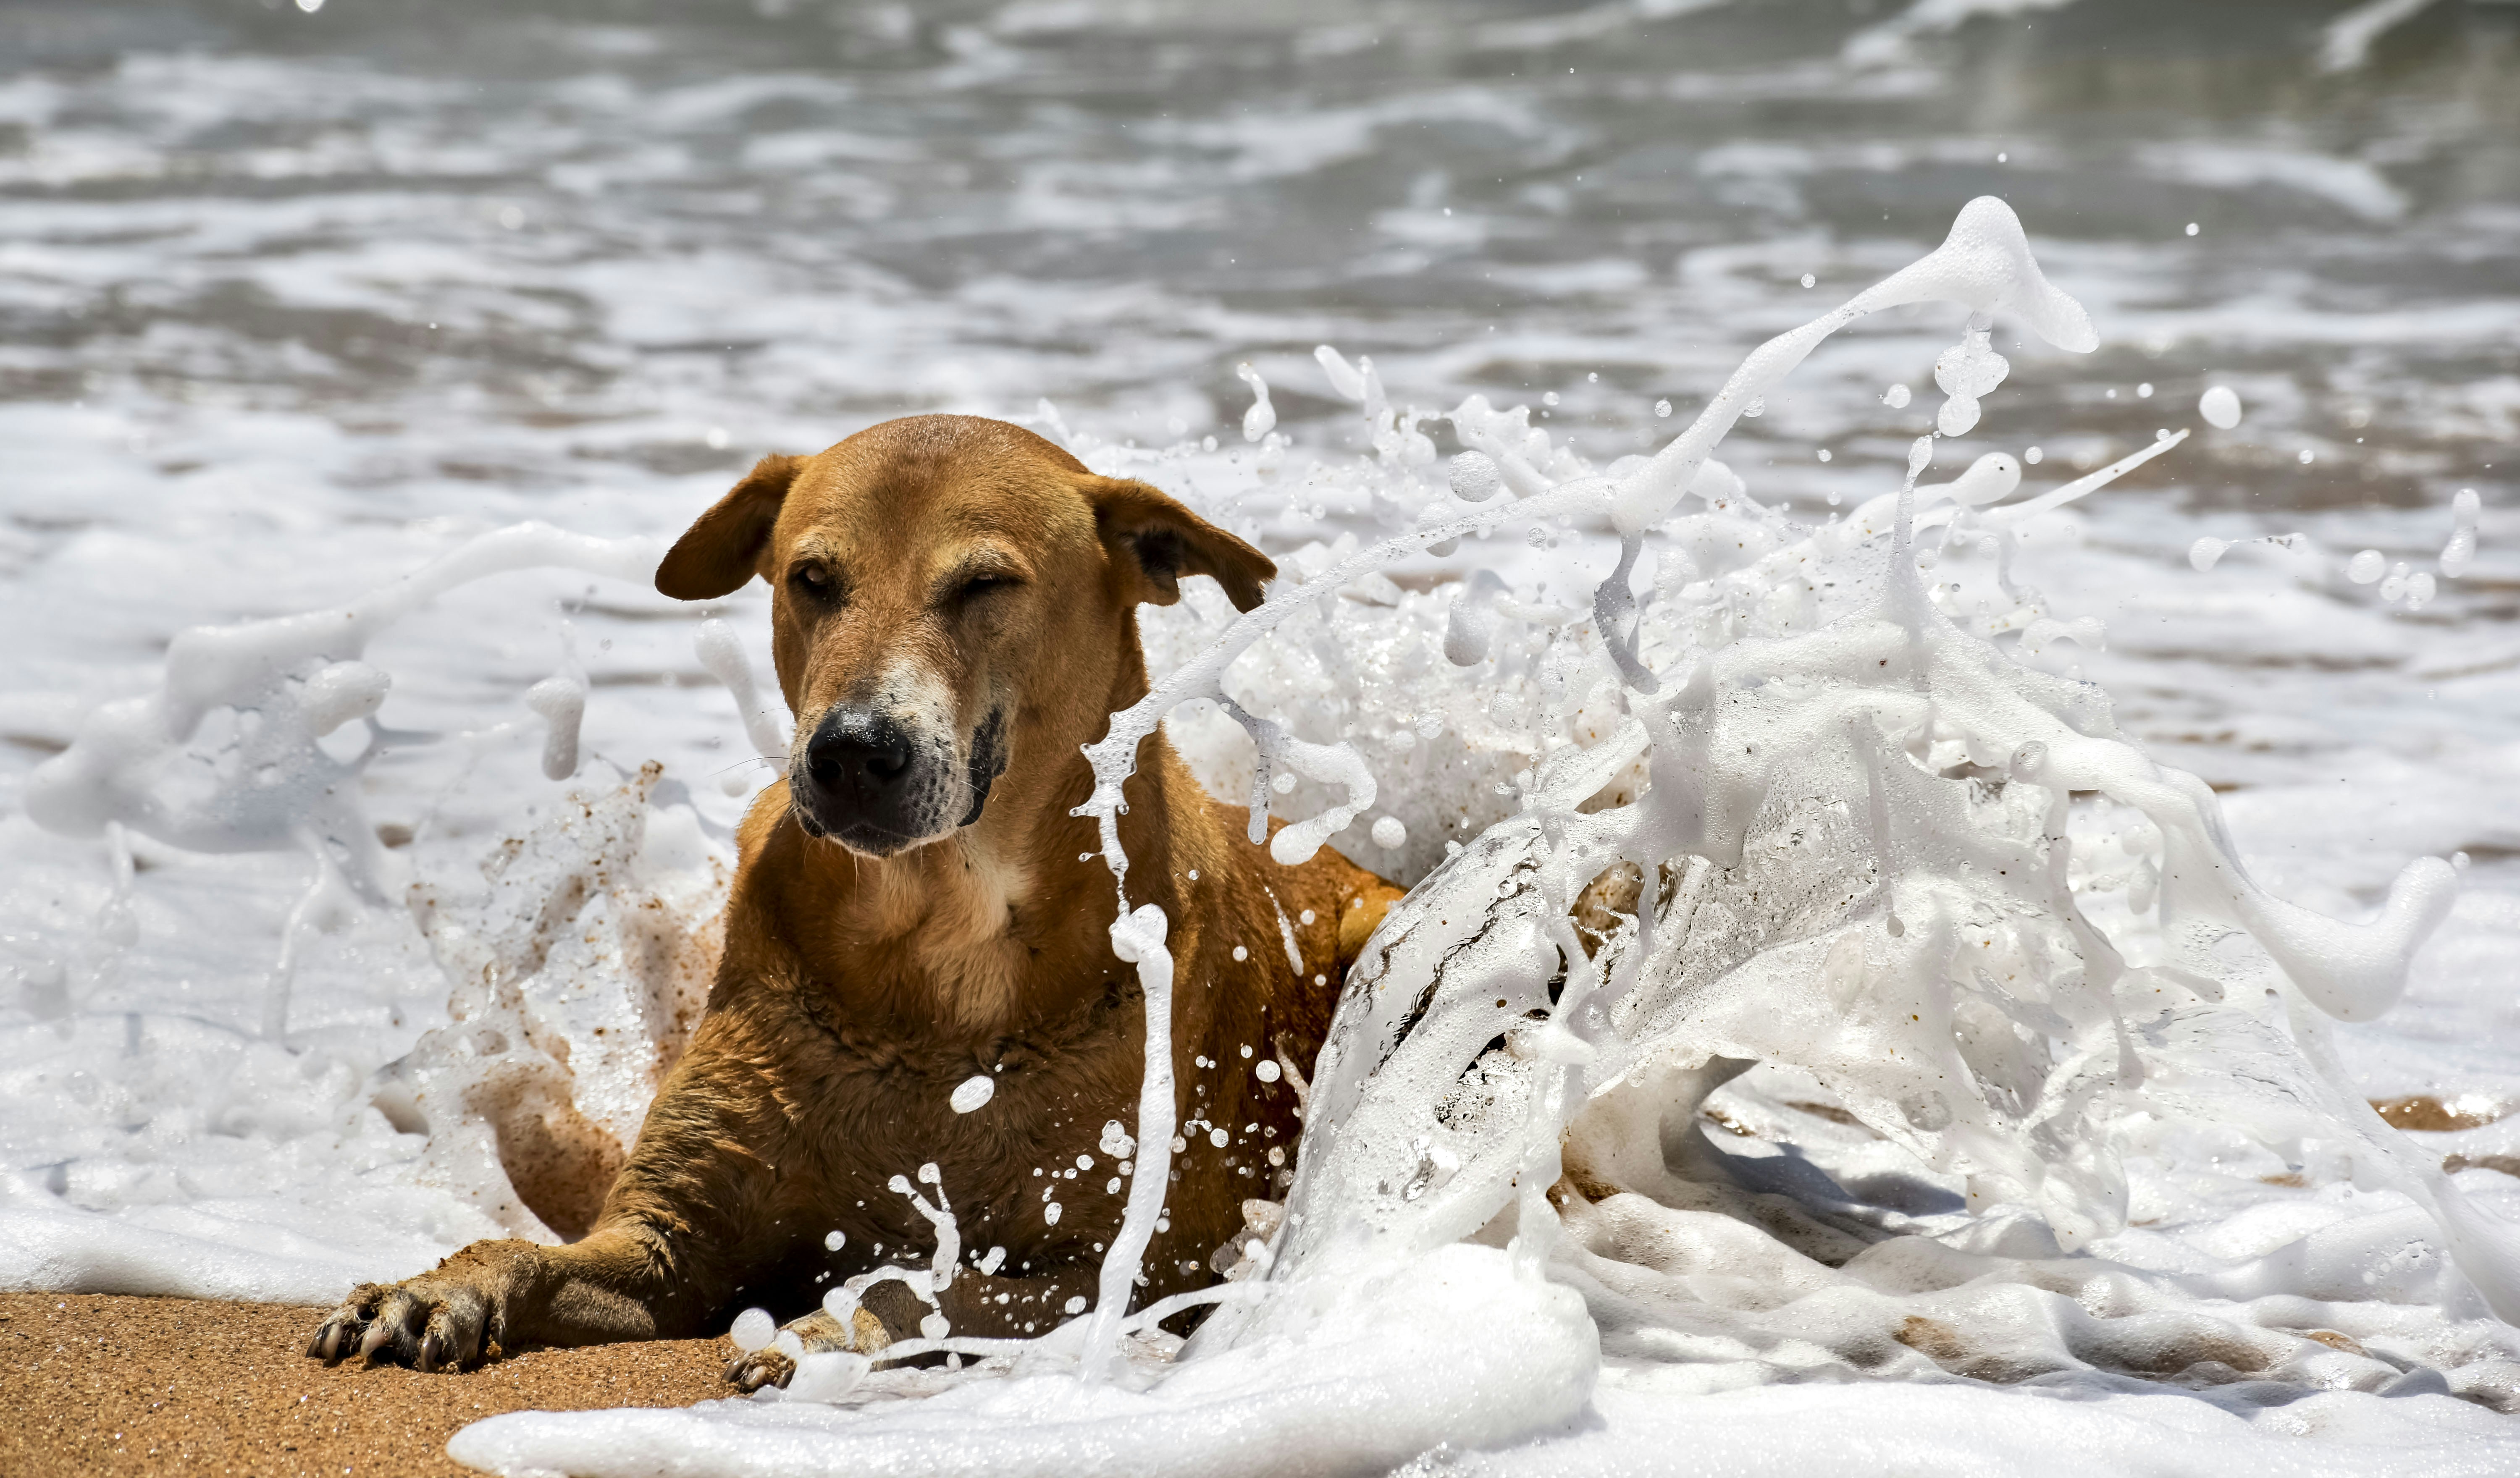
{"points": [[857, 991]]}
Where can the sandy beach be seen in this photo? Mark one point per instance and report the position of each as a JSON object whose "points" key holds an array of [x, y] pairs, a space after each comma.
{"points": [[105, 1385]]}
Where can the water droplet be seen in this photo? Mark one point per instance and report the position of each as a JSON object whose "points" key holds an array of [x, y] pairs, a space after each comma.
{"points": [[753, 1327], [972, 1092]]}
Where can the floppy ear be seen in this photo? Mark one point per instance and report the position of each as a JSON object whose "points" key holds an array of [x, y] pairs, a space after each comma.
{"points": [[1163, 541], [717, 554]]}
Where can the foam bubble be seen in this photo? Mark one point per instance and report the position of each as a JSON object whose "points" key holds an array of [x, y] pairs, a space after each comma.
{"points": [[560, 703], [1262, 417], [753, 1329], [2467, 509]]}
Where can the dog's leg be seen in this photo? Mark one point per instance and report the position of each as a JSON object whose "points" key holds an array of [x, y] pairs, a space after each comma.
{"points": [[498, 1294], [816, 1333], [991, 1308], [661, 1261]]}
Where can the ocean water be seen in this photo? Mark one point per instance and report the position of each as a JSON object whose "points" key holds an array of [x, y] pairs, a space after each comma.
{"points": [[297, 303]]}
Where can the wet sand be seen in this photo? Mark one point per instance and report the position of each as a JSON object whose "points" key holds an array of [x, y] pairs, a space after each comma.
{"points": [[105, 1385]]}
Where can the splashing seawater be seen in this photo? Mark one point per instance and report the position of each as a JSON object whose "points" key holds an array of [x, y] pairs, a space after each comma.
{"points": [[1791, 803], [286, 684], [1850, 855]]}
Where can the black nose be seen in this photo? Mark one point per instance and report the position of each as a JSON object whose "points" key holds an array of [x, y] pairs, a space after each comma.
{"points": [[864, 758]]}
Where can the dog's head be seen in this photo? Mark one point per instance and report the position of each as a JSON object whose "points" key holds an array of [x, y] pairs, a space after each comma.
{"points": [[945, 591]]}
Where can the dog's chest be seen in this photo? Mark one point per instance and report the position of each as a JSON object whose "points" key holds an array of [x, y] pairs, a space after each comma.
{"points": [[912, 1089]]}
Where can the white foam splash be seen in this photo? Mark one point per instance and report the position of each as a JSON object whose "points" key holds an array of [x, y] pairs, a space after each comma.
{"points": [[1858, 854], [721, 652], [1850, 855], [2467, 509], [560, 701], [2344, 42], [265, 785], [1262, 418]]}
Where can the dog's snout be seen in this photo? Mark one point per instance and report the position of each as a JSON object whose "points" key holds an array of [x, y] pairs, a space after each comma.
{"points": [[864, 758], [871, 780]]}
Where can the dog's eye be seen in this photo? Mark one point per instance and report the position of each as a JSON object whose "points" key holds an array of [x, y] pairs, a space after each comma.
{"points": [[814, 580], [981, 585]]}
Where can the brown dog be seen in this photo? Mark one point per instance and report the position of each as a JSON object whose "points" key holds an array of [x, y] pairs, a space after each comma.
{"points": [[954, 615]]}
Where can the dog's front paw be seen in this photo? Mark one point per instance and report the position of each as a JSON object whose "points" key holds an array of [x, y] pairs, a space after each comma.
{"points": [[775, 1364], [438, 1321], [769, 1365]]}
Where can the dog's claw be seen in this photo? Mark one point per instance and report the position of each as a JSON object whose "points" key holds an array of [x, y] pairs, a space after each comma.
{"points": [[438, 1321], [341, 1328], [762, 1368]]}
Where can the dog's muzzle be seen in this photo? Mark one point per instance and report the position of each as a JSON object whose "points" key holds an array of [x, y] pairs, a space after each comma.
{"points": [[879, 787]]}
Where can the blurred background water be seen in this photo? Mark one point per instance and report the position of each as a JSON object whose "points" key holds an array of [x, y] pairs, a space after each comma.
{"points": [[292, 300], [561, 236]]}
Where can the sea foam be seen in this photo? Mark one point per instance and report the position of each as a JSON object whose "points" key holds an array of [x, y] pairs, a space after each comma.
{"points": [[1768, 793], [1792, 805]]}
